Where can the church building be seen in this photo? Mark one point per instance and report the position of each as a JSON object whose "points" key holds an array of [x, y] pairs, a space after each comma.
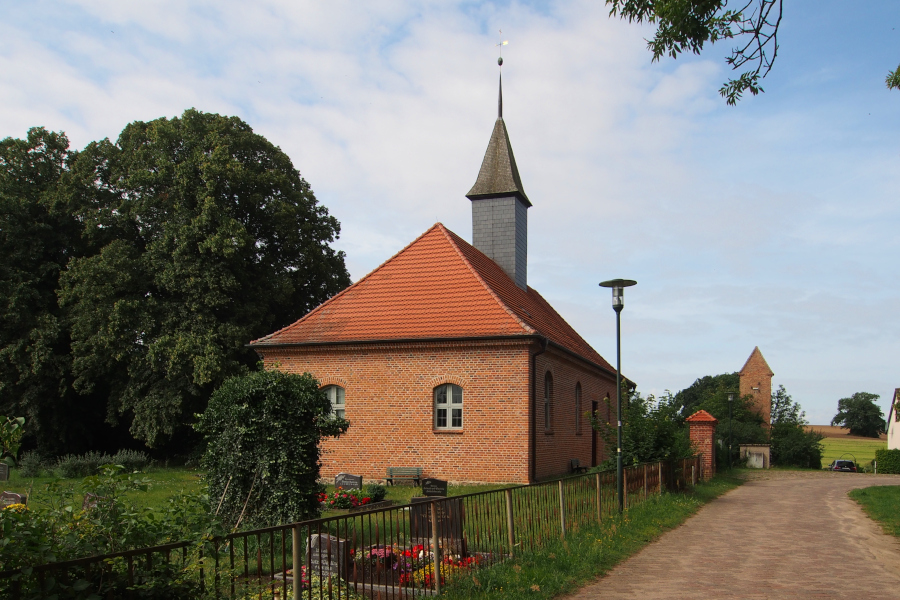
{"points": [[444, 358]]}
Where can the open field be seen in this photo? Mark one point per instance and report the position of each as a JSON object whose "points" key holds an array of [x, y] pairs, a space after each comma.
{"points": [[862, 449], [831, 431]]}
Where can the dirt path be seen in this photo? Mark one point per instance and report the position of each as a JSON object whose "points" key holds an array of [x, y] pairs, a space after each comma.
{"points": [[780, 535]]}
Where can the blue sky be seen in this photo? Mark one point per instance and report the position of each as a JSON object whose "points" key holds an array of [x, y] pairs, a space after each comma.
{"points": [[772, 224]]}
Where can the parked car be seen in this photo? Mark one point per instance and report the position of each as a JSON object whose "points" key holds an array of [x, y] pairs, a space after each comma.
{"points": [[842, 465]]}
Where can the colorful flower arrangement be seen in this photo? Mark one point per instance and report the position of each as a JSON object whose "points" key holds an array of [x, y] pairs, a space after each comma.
{"points": [[344, 499]]}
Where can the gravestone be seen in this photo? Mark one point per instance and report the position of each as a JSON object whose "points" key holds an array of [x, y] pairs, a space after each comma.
{"points": [[328, 555], [9, 498], [434, 487], [348, 481], [4, 471], [449, 516]]}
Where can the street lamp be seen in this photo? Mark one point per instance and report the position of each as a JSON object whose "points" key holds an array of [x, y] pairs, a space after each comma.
{"points": [[730, 426], [618, 303]]}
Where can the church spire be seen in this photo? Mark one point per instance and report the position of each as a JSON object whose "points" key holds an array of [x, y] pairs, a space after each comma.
{"points": [[499, 204], [500, 99]]}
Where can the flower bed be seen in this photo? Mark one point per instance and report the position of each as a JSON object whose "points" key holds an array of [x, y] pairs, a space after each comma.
{"points": [[344, 499]]}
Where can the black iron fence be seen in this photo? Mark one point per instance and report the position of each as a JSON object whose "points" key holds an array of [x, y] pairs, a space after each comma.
{"points": [[397, 552]]}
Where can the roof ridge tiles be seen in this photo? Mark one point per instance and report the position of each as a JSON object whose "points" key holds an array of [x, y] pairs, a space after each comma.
{"points": [[525, 326], [347, 290]]}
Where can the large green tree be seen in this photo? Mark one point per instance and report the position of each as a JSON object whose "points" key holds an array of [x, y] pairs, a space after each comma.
{"points": [[687, 25], [38, 237], [792, 445], [860, 415], [169, 250]]}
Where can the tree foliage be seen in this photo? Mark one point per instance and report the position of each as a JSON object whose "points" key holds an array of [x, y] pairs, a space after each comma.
{"points": [[691, 398], [687, 25], [263, 432], [792, 445], [169, 250], [652, 430], [893, 79], [860, 415]]}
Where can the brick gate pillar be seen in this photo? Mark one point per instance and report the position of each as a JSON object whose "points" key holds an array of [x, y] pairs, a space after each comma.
{"points": [[703, 439]]}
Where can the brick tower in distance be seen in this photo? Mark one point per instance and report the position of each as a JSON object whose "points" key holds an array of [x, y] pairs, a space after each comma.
{"points": [[756, 381]]}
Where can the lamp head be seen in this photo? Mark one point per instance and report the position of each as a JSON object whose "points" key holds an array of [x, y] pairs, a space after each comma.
{"points": [[618, 291]]}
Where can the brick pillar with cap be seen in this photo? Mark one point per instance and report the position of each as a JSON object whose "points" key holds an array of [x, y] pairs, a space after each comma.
{"points": [[703, 439]]}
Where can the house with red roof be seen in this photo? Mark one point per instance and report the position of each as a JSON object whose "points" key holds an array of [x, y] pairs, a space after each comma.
{"points": [[444, 358]]}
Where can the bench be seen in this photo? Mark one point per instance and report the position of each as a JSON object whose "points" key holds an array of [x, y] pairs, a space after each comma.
{"points": [[413, 474], [576, 466]]}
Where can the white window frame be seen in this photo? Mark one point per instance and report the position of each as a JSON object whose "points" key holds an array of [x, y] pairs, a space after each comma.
{"points": [[338, 398], [448, 407]]}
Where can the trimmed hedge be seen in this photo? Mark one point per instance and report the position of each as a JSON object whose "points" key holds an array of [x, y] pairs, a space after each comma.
{"points": [[888, 461]]}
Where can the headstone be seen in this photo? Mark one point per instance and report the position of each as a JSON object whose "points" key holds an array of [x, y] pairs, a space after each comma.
{"points": [[434, 487], [348, 481], [328, 555], [9, 498], [4, 471], [449, 516]]}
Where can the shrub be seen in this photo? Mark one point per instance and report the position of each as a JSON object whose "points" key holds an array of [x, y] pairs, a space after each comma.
{"points": [[262, 432], [888, 461], [31, 464], [85, 465], [376, 492], [132, 460]]}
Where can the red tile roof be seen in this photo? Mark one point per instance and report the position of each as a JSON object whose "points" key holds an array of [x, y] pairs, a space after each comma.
{"points": [[439, 286], [701, 416]]}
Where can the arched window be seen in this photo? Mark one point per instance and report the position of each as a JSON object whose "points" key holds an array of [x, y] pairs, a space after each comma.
{"points": [[448, 406], [548, 399], [578, 408], [335, 395]]}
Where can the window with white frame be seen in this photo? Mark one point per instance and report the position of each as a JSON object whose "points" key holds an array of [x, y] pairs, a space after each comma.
{"points": [[578, 408], [335, 395], [448, 406], [548, 400]]}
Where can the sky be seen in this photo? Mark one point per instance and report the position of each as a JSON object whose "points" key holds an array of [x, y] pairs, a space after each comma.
{"points": [[774, 223]]}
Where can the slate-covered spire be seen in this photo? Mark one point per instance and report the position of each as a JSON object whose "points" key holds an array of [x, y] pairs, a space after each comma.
{"points": [[499, 205], [498, 175]]}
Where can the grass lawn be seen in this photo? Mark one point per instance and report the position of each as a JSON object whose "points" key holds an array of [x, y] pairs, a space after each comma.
{"points": [[164, 483], [562, 566], [401, 494], [881, 503], [863, 450]]}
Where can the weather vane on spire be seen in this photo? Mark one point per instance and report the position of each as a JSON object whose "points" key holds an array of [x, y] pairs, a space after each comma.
{"points": [[501, 44]]}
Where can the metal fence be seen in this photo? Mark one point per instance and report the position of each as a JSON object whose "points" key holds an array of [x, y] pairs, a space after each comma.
{"points": [[397, 552]]}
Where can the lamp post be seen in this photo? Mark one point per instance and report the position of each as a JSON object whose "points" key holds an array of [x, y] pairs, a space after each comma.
{"points": [[730, 426], [618, 303]]}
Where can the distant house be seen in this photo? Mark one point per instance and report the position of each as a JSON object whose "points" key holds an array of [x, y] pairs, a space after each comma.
{"points": [[444, 358], [893, 432]]}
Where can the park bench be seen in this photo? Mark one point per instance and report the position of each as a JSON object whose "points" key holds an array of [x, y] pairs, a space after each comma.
{"points": [[413, 474], [576, 466]]}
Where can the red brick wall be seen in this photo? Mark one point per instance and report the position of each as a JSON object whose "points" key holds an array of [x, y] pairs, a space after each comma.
{"points": [[756, 374], [389, 404], [703, 438], [557, 446]]}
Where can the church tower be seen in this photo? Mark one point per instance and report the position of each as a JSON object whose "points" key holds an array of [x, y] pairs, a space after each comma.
{"points": [[756, 381], [499, 205]]}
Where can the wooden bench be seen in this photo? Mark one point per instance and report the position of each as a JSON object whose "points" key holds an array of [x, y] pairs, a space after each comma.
{"points": [[576, 466], [413, 474]]}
